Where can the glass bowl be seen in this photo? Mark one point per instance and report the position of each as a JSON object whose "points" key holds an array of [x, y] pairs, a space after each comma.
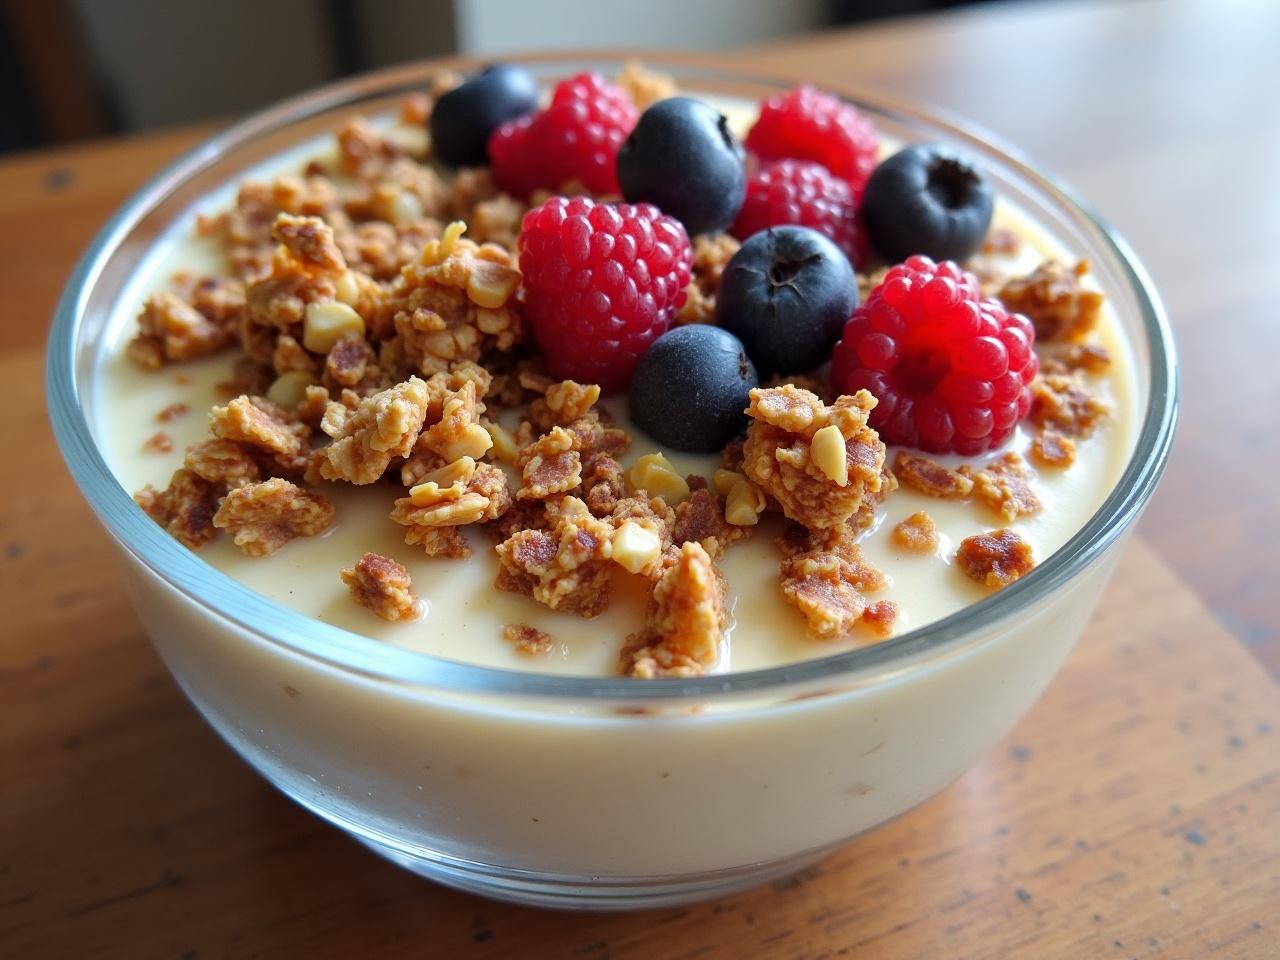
{"points": [[595, 792]]}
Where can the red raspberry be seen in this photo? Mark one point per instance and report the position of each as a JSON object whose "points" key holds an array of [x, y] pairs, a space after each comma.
{"points": [[806, 124], [805, 193], [601, 282], [949, 368], [576, 138]]}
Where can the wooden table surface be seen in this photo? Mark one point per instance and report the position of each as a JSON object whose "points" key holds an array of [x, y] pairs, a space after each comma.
{"points": [[1134, 813]]}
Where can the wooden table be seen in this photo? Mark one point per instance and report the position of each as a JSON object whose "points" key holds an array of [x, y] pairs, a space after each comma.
{"points": [[1134, 813]]}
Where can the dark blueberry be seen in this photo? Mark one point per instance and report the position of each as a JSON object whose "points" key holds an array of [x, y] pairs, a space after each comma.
{"points": [[463, 118], [683, 158], [787, 294], [690, 389], [927, 199]]}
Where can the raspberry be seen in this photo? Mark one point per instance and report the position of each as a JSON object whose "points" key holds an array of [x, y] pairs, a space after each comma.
{"points": [[576, 138], [806, 124], [804, 193], [601, 282], [949, 368]]}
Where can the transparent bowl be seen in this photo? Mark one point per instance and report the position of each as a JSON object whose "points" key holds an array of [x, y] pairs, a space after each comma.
{"points": [[595, 792]]}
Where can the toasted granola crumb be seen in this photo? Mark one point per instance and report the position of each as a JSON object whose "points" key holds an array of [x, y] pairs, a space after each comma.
{"points": [[1066, 403], [563, 403], [185, 508], [880, 617], [172, 412], [170, 329], [566, 567], [1049, 448], [1054, 299], [263, 517], [383, 586], [603, 484], [1074, 357], [550, 466], [829, 587], [701, 519], [222, 462], [645, 86], [930, 477], [528, 640], [995, 559], [289, 356], [917, 533], [521, 515], [458, 494], [158, 442], [684, 621], [711, 254], [778, 456], [383, 426], [448, 543], [1003, 241], [261, 424], [1004, 485]]}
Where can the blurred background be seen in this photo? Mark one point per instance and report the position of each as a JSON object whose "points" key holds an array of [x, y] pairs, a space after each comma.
{"points": [[76, 69]]}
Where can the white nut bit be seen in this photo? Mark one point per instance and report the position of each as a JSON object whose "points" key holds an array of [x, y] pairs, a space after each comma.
{"points": [[447, 483], [722, 481], [828, 452], [635, 547], [473, 441], [490, 285], [654, 474], [327, 322], [289, 389], [346, 289], [504, 447], [405, 208], [744, 504]]}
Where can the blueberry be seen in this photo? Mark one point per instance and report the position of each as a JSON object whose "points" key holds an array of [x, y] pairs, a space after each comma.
{"points": [[927, 199], [683, 158], [464, 117], [787, 294], [690, 389]]}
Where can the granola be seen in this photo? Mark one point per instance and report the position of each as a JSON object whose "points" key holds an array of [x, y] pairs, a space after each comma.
{"points": [[711, 254], [365, 440], [1065, 403], [701, 520], [566, 567], [1055, 301], [917, 533], [461, 493], [528, 640], [1049, 448], [995, 559], [829, 587], [185, 508], [930, 477], [263, 517], [170, 329], [383, 586], [1004, 485], [684, 621]]}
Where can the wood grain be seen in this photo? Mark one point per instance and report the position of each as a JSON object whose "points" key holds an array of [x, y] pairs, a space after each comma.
{"points": [[1134, 813]]}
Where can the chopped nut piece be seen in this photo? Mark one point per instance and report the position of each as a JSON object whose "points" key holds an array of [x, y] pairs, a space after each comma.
{"points": [[263, 517], [654, 474], [460, 493], [504, 445], [383, 586], [995, 559], [828, 454], [325, 323], [528, 640], [722, 481], [918, 533], [351, 362], [290, 389], [459, 433], [222, 462], [778, 454], [684, 621], [383, 426], [930, 477], [1054, 299], [566, 566], [1004, 485], [158, 442], [1049, 448], [636, 547], [828, 587], [185, 508], [1067, 404], [744, 504]]}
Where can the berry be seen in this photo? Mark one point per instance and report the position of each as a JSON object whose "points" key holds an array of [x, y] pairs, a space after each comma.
{"points": [[690, 389], [682, 158], [927, 200], [576, 138], [602, 281], [806, 124], [786, 294], [949, 368], [463, 118], [805, 193]]}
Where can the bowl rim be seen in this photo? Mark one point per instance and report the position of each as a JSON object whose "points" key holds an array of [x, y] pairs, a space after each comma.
{"points": [[220, 595]]}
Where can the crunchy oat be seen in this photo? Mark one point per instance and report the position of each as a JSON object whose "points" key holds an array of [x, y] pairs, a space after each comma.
{"points": [[172, 412], [460, 493], [917, 533], [1073, 357], [930, 477], [645, 86], [1049, 448], [684, 621], [880, 617], [263, 425], [528, 640], [352, 363], [449, 543], [185, 508], [701, 519], [1004, 485], [171, 329], [828, 586], [459, 432], [289, 356], [1055, 300], [566, 567], [158, 442], [311, 407], [521, 515], [995, 559], [711, 254], [225, 463], [550, 466], [263, 517], [778, 456], [603, 484], [1066, 404], [383, 586], [383, 426], [563, 403]]}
